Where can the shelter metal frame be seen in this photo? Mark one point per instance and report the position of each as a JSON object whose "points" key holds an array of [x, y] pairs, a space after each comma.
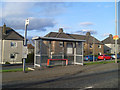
{"points": [[76, 48]]}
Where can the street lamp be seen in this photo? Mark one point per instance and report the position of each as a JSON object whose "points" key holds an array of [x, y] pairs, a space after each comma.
{"points": [[25, 41]]}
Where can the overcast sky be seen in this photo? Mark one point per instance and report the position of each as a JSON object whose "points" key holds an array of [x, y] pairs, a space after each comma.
{"points": [[73, 17]]}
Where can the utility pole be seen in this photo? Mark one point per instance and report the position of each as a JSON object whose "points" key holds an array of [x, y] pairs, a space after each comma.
{"points": [[115, 31], [93, 49], [25, 41]]}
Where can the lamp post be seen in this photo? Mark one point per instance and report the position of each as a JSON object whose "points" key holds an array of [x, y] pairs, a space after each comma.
{"points": [[25, 41], [115, 31]]}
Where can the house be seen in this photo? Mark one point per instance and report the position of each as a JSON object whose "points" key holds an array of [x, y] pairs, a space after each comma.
{"points": [[30, 48], [11, 45], [90, 45], [109, 45]]}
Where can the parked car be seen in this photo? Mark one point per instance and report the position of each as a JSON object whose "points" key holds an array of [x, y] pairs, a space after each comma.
{"points": [[89, 58], [104, 57], [113, 56]]}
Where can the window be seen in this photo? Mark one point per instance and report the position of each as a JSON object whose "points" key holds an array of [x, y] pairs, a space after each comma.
{"points": [[90, 45], [90, 52], [13, 44], [99, 46], [12, 56], [106, 55], [61, 44]]}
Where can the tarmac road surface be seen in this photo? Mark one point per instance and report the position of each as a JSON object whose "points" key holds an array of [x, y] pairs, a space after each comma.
{"points": [[78, 77], [97, 80]]}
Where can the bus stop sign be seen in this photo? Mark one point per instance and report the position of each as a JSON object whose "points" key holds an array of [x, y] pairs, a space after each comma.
{"points": [[115, 37]]}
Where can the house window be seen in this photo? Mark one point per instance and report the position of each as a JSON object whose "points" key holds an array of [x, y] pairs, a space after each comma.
{"points": [[99, 46], [13, 44], [12, 56], [108, 51], [90, 52], [90, 45], [61, 44]]}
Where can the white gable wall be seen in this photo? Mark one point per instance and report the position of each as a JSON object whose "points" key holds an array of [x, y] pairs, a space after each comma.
{"points": [[111, 48]]}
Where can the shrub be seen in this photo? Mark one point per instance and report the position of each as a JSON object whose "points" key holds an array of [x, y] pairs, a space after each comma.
{"points": [[30, 58], [7, 63]]}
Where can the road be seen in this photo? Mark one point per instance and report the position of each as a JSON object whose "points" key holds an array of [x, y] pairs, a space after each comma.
{"points": [[106, 79], [101, 80]]}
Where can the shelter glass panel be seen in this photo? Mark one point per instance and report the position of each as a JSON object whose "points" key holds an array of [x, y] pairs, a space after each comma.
{"points": [[37, 47], [79, 59], [79, 48]]}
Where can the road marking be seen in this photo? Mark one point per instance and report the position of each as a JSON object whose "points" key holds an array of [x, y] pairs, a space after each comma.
{"points": [[89, 87], [86, 88]]}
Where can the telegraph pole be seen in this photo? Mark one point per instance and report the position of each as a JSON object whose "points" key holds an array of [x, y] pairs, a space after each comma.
{"points": [[25, 41], [93, 49], [115, 31]]}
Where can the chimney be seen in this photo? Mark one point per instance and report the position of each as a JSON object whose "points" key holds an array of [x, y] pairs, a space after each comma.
{"points": [[88, 34], [4, 28], [60, 30]]}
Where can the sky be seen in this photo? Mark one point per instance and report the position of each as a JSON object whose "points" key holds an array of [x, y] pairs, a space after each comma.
{"points": [[74, 17]]}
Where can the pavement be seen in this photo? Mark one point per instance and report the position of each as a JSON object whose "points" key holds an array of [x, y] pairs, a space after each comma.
{"points": [[11, 79]]}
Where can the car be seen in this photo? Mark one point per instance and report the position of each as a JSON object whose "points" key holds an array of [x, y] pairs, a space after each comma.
{"points": [[113, 56], [89, 58], [104, 57]]}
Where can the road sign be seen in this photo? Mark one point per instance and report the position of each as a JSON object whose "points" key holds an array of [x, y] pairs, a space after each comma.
{"points": [[25, 52], [115, 37]]}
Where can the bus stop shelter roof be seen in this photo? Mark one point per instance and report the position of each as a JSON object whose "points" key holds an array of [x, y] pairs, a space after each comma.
{"points": [[57, 39]]}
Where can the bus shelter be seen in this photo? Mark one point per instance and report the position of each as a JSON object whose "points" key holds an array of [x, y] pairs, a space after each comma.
{"points": [[58, 50]]}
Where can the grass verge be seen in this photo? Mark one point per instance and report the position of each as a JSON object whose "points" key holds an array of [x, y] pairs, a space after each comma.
{"points": [[14, 70], [101, 62]]}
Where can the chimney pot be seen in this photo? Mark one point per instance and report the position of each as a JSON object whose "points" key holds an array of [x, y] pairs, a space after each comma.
{"points": [[4, 28], [88, 34], [61, 30], [110, 35]]}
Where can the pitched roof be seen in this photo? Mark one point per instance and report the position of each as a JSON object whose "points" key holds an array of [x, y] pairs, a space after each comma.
{"points": [[109, 40], [89, 39], [11, 34]]}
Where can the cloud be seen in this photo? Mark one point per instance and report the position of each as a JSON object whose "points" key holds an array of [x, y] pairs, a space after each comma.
{"points": [[34, 23], [15, 14], [85, 24], [27, 9], [39, 13], [15, 9], [84, 31], [105, 34], [52, 8]]}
